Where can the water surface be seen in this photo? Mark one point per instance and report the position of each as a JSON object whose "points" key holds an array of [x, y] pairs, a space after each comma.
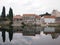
{"points": [[30, 36]]}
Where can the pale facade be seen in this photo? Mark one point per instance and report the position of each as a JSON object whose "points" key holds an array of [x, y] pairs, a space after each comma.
{"points": [[38, 18], [17, 20], [49, 19], [29, 18]]}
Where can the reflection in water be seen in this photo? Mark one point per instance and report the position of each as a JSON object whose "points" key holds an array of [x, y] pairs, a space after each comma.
{"points": [[3, 35], [31, 31], [10, 33], [55, 35], [53, 31]]}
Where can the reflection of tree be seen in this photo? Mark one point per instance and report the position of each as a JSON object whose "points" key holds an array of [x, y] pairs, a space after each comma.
{"points": [[10, 33], [55, 35], [3, 35]]}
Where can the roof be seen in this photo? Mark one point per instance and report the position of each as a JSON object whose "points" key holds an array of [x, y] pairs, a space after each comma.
{"points": [[49, 17], [29, 14], [37, 16], [17, 17]]}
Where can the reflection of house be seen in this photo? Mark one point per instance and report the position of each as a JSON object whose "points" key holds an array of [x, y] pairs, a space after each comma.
{"points": [[57, 29], [29, 18], [48, 30], [38, 29], [17, 29], [55, 35], [29, 31], [17, 20], [49, 19], [57, 14], [51, 30]]}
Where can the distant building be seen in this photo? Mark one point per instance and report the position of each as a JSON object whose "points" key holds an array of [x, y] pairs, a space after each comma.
{"points": [[49, 19], [55, 13], [29, 18], [38, 18], [17, 20], [57, 19]]}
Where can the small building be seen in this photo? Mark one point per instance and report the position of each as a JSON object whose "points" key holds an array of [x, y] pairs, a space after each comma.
{"points": [[29, 18], [58, 20], [17, 20], [38, 19], [49, 19], [55, 13]]}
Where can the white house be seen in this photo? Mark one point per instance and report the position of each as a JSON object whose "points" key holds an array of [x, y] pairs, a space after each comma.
{"points": [[49, 19]]}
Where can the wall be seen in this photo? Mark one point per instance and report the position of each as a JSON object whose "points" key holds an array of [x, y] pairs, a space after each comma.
{"points": [[49, 20]]}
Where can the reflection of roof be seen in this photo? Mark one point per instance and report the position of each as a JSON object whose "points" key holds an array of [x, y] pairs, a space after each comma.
{"points": [[28, 34], [49, 17], [49, 32], [28, 14], [17, 17]]}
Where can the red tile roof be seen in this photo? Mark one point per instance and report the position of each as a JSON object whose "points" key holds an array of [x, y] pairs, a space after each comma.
{"points": [[29, 14], [17, 17], [38, 16], [49, 17]]}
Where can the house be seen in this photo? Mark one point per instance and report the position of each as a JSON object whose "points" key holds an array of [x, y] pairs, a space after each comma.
{"points": [[17, 20], [55, 13], [38, 19], [29, 18], [49, 19], [58, 20]]}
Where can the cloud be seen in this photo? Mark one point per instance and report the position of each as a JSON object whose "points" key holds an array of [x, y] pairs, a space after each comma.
{"points": [[30, 6]]}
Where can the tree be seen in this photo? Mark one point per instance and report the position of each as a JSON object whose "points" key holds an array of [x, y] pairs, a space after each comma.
{"points": [[3, 15], [10, 15]]}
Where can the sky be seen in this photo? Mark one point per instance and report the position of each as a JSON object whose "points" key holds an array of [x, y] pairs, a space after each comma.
{"points": [[30, 6]]}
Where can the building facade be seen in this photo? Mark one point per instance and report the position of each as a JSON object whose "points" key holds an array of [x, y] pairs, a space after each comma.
{"points": [[38, 18], [29, 18], [17, 20], [49, 19]]}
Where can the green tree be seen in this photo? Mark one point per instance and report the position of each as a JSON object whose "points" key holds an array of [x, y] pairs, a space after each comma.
{"points": [[3, 15], [10, 15]]}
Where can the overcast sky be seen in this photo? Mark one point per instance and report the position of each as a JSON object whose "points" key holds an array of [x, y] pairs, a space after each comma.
{"points": [[30, 6]]}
